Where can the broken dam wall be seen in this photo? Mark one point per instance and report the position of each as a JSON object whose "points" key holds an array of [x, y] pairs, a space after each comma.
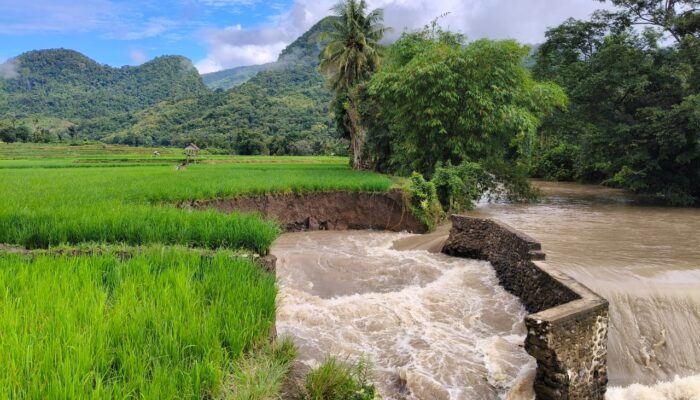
{"points": [[568, 325]]}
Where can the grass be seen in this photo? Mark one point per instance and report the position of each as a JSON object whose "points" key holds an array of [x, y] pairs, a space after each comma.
{"points": [[165, 323], [52, 206], [338, 380], [182, 315], [261, 376]]}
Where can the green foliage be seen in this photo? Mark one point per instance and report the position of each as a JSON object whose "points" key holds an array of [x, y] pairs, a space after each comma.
{"points": [[261, 375], [157, 323], [449, 102], [66, 84], [557, 163], [439, 100], [424, 200], [459, 187], [337, 380], [632, 119]]}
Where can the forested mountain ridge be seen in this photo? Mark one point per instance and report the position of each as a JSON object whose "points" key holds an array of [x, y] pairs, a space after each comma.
{"points": [[61, 94], [281, 110], [66, 84], [304, 50]]}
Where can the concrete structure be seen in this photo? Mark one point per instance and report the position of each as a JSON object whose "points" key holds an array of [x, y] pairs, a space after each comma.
{"points": [[568, 325]]}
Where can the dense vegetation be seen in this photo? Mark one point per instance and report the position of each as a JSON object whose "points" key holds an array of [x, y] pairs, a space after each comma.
{"points": [[634, 114], [284, 109], [66, 84]]}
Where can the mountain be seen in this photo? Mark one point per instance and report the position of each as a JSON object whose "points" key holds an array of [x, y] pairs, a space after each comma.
{"points": [[283, 109], [66, 84], [304, 50], [229, 78], [277, 108]]}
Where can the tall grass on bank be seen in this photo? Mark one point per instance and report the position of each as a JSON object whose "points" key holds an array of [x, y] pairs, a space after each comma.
{"points": [[167, 323], [43, 207]]}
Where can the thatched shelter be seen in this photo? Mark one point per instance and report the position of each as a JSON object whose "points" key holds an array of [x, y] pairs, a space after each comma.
{"points": [[192, 150]]}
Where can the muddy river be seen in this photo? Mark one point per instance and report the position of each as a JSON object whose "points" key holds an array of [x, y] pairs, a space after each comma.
{"points": [[437, 327]]}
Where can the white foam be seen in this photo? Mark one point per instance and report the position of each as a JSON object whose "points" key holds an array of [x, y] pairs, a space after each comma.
{"points": [[444, 329], [687, 388]]}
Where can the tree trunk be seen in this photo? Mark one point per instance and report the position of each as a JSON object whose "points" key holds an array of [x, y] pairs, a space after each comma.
{"points": [[357, 133]]}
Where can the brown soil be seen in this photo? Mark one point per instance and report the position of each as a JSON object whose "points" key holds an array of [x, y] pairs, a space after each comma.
{"points": [[325, 210]]}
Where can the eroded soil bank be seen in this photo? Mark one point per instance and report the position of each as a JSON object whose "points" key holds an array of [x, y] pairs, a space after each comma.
{"points": [[337, 210]]}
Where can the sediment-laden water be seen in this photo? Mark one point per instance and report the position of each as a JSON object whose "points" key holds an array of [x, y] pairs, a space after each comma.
{"points": [[442, 328], [437, 326], [645, 260]]}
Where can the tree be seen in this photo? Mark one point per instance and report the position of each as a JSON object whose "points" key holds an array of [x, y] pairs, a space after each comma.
{"points": [[676, 17], [352, 55], [440, 100], [633, 116]]}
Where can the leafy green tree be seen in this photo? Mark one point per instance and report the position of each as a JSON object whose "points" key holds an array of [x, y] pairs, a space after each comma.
{"points": [[352, 55], [441, 100], [632, 119], [679, 18]]}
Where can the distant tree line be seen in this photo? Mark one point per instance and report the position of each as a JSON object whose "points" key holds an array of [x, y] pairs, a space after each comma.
{"points": [[634, 115]]}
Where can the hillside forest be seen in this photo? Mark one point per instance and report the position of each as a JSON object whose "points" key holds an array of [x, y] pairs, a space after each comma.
{"points": [[612, 100]]}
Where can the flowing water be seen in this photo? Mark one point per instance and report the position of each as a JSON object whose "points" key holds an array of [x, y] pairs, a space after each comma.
{"points": [[441, 328], [438, 326], [645, 260]]}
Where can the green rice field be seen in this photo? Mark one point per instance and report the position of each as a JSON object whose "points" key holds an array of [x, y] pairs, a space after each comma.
{"points": [[122, 293]]}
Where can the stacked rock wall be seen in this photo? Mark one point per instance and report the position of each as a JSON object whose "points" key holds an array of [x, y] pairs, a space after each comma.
{"points": [[567, 330]]}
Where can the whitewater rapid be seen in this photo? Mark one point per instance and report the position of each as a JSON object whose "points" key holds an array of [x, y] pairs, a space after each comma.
{"points": [[435, 327], [438, 327]]}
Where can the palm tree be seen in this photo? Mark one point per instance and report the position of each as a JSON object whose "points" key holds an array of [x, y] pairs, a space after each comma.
{"points": [[353, 53]]}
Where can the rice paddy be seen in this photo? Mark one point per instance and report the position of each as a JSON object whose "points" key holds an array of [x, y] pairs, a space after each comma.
{"points": [[137, 296]]}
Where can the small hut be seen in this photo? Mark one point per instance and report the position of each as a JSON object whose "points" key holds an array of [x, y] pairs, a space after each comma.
{"points": [[191, 152]]}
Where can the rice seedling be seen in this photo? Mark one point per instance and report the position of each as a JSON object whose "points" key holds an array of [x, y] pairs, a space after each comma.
{"points": [[163, 323]]}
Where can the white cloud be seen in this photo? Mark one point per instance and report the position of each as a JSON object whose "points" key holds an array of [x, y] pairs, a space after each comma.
{"points": [[19, 17], [8, 70], [152, 27], [524, 20]]}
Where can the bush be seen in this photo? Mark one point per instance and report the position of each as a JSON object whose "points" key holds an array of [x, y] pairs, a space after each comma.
{"points": [[460, 187], [424, 202], [336, 380]]}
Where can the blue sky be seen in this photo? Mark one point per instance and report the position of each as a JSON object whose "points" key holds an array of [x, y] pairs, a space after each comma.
{"points": [[218, 34]]}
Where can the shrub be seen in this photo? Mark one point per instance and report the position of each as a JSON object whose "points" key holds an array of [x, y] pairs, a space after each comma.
{"points": [[424, 202], [460, 187], [336, 380]]}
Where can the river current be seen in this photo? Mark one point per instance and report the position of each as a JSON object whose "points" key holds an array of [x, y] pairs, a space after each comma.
{"points": [[437, 327]]}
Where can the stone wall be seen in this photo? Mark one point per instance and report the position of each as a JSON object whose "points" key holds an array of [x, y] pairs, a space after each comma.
{"points": [[567, 330]]}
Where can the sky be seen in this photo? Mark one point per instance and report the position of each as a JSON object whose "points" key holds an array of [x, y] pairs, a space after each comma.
{"points": [[220, 34]]}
